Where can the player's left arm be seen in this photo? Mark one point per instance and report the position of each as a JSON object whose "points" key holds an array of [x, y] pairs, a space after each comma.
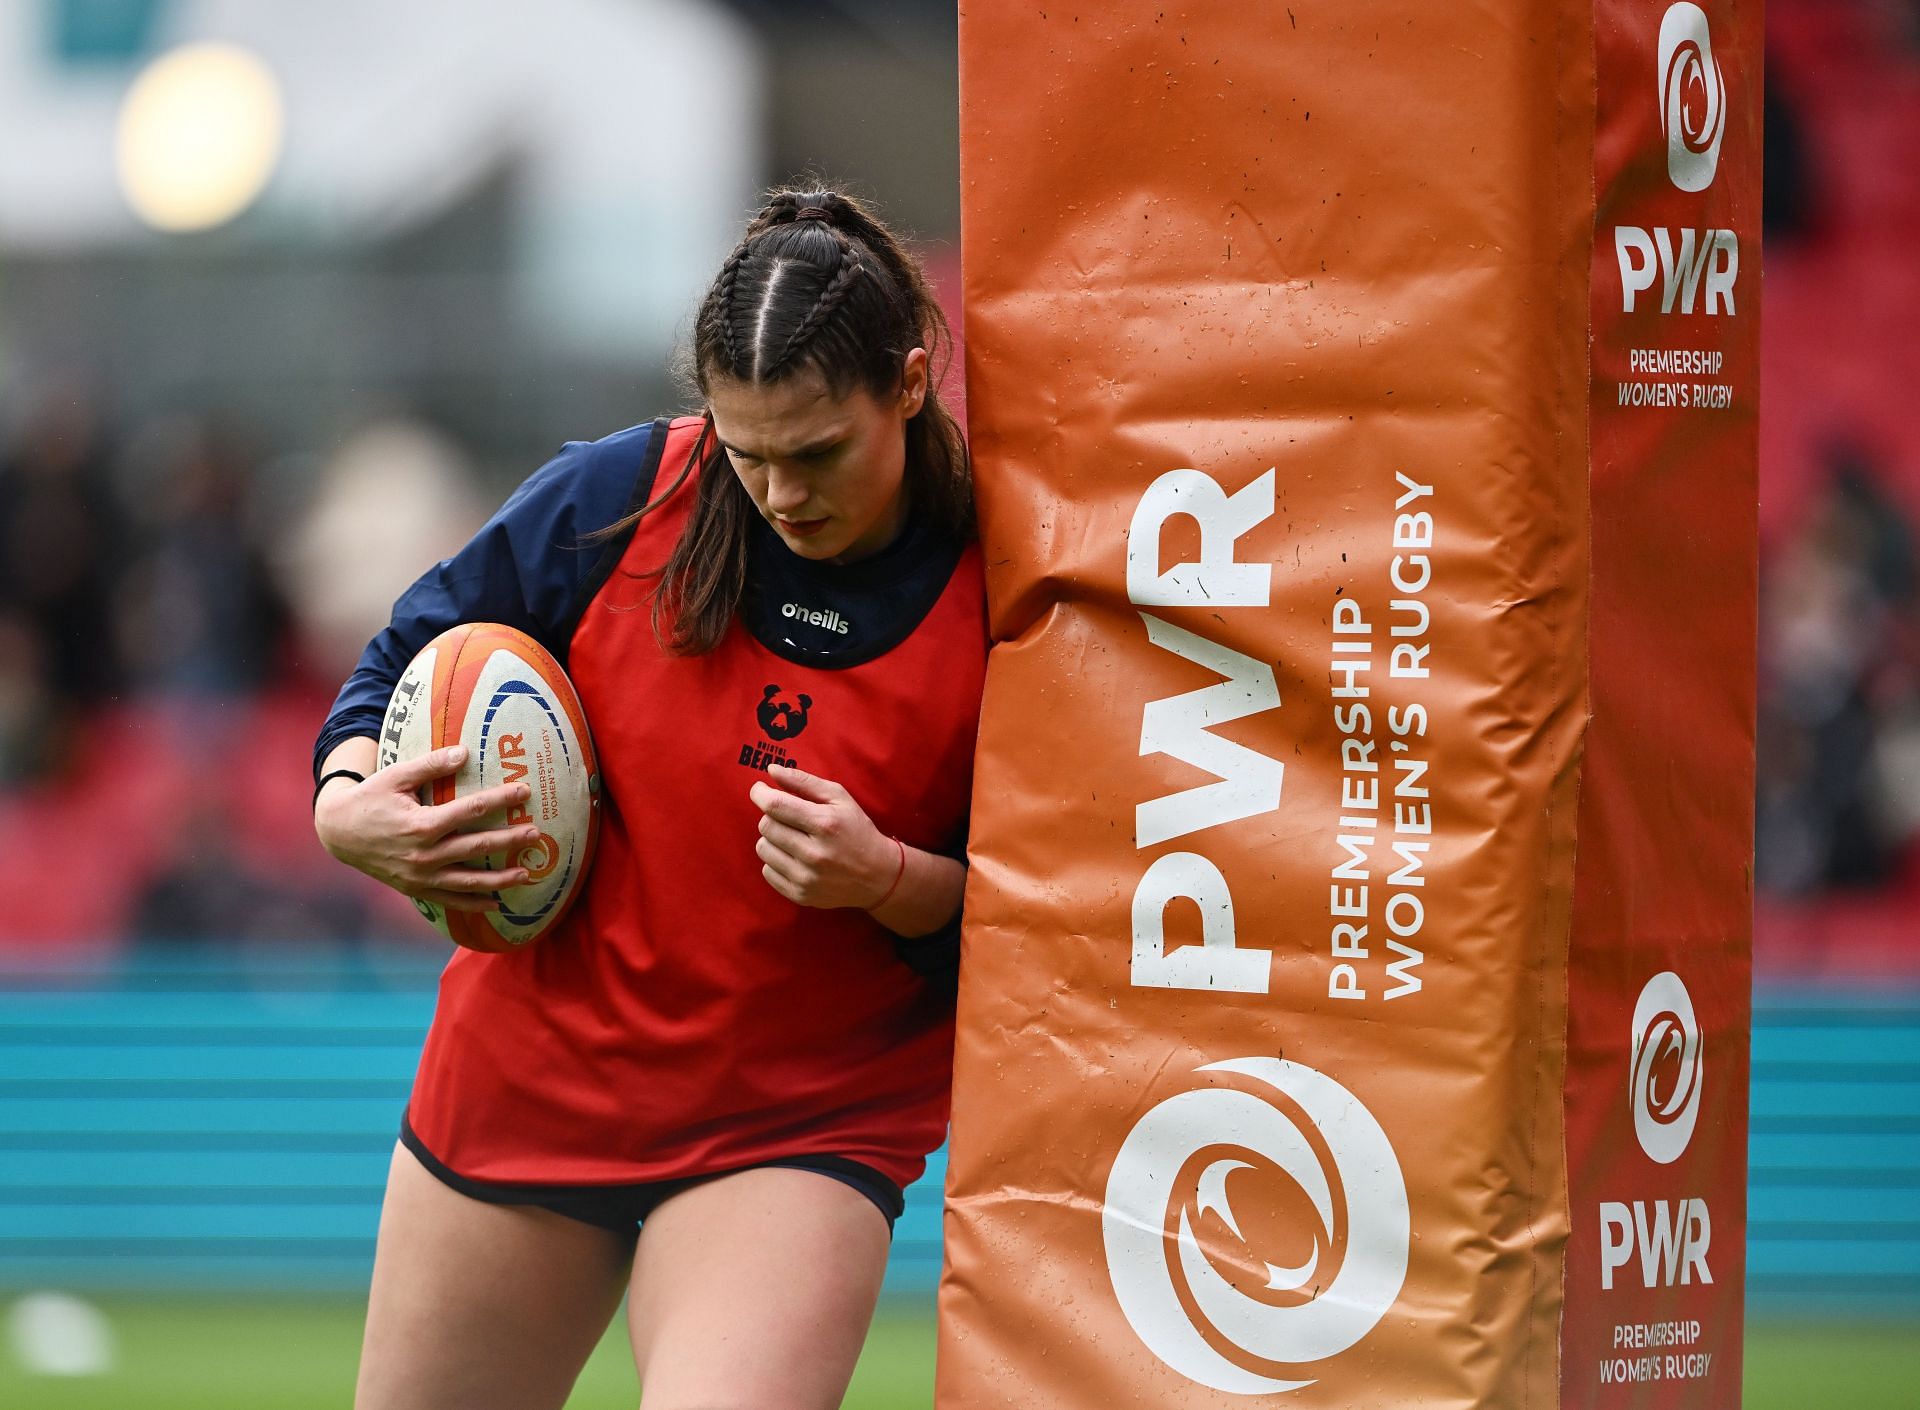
{"points": [[818, 847]]}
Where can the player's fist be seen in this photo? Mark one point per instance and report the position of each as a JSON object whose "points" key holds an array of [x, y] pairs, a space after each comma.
{"points": [[818, 847]]}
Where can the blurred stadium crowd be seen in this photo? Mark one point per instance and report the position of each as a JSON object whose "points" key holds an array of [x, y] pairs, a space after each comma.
{"points": [[183, 584], [169, 637], [1838, 770]]}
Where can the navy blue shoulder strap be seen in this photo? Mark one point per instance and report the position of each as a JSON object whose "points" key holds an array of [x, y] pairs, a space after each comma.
{"points": [[614, 546]]}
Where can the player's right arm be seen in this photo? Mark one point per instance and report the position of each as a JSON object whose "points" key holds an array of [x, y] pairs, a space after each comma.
{"points": [[382, 828]]}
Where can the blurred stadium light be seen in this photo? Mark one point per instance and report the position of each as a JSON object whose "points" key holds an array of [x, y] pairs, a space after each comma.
{"points": [[602, 149], [199, 136]]}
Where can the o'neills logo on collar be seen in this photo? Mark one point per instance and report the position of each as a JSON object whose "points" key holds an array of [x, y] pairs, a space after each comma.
{"points": [[832, 621]]}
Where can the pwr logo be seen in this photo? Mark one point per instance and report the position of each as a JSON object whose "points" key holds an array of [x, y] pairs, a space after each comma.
{"points": [[1671, 1238], [1693, 267], [1667, 1068], [1671, 1242], [1312, 1260], [1693, 97]]}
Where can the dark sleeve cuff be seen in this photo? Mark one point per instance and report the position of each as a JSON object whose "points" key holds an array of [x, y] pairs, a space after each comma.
{"points": [[935, 958], [935, 955], [348, 724]]}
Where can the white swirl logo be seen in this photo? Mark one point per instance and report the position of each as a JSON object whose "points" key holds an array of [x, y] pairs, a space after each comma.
{"points": [[1693, 97], [1667, 1068], [1172, 1172]]}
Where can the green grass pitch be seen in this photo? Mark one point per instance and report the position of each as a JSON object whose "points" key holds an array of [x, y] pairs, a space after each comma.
{"points": [[214, 1354]]}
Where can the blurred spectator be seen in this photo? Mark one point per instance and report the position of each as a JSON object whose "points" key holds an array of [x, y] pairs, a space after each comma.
{"points": [[1789, 203], [31, 720], [205, 893], [195, 609], [1838, 797], [1907, 20], [60, 538], [154, 697]]}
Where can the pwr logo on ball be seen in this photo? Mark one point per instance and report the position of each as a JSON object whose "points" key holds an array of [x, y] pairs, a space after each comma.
{"points": [[1693, 97], [1667, 1068], [1310, 1279]]}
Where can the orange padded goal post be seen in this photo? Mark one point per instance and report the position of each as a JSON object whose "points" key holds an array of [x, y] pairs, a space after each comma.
{"points": [[1354, 995]]}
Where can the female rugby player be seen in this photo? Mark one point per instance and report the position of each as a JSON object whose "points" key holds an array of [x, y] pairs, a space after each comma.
{"points": [[707, 1086]]}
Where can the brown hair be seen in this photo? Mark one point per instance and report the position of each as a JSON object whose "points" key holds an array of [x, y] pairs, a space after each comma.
{"points": [[817, 282]]}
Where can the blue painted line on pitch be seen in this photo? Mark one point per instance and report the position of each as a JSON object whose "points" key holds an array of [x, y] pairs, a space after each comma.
{"points": [[151, 1155]]}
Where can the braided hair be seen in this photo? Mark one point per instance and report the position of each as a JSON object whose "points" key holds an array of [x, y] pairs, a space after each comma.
{"points": [[817, 283]]}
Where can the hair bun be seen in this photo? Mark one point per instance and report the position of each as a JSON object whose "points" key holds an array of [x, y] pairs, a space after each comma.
{"points": [[813, 213]]}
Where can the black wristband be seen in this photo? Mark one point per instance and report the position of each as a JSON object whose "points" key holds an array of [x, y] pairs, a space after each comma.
{"points": [[327, 778]]}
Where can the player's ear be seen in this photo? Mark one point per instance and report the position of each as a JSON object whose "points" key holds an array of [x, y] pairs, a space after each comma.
{"points": [[913, 383]]}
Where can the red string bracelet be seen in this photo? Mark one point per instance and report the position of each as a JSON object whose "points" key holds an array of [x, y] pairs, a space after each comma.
{"points": [[902, 871]]}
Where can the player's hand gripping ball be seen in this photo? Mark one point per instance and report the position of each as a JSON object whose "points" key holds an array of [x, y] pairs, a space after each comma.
{"points": [[498, 692]]}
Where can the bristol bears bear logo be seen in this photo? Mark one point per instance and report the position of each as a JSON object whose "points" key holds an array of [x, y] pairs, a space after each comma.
{"points": [[778, 718]]}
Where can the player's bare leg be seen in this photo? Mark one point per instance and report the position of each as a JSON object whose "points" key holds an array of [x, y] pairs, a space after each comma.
{"points": [[755, 1290], [481, 1306]]}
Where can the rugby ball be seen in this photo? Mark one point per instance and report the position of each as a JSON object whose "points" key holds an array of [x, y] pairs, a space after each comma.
{"points": [[500, 693]]}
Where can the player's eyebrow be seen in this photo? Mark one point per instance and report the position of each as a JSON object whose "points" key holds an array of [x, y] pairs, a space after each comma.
{"points": [[827, 442]]}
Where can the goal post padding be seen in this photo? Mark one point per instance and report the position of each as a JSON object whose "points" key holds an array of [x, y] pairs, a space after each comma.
{"points": [[1354, 994]]}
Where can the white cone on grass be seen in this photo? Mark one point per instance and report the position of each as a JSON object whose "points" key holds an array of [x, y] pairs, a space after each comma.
{"points": [[58, 1334]]}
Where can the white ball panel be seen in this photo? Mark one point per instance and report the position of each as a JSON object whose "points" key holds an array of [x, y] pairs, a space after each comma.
{"points": [[517, 731], [406, 732]]}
